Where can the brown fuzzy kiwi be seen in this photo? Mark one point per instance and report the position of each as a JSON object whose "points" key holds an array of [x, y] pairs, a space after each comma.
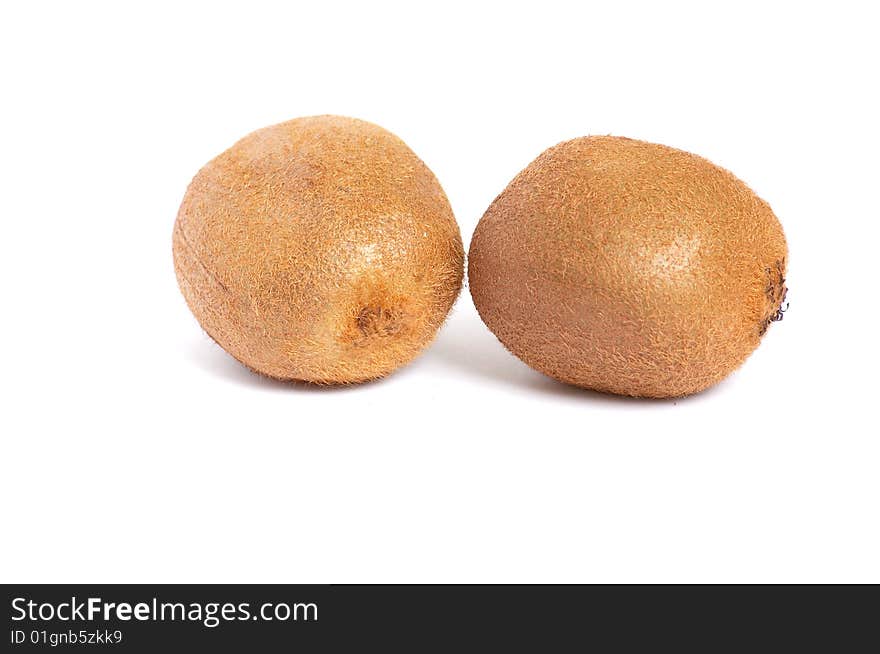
{"points": [[321, 249], [628, 267]]}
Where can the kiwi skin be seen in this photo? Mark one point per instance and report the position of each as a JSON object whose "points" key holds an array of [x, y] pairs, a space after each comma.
{"points": [[628, 267], [320, 249]]}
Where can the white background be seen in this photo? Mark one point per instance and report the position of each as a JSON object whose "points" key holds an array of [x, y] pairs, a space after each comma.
{"points": [[134, 449]]}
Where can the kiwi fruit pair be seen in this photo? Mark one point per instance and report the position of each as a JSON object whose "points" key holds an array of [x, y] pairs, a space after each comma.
{"points": [[323, 250]]}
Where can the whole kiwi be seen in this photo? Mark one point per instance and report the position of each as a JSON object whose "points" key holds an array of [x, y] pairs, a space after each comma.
{"points": [[628, 267], [320, 249]]}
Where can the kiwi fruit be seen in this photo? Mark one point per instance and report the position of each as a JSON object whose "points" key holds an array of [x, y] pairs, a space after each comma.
{"points": [[628, 267], [320, 249]]}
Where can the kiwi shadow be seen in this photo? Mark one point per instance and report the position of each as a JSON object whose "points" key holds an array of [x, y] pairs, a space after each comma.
{"points": [[466, 344], [211, 358]]}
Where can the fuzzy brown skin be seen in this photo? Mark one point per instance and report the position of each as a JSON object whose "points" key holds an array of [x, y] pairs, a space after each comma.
{"points": [[628, 267], [321, 249]]}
